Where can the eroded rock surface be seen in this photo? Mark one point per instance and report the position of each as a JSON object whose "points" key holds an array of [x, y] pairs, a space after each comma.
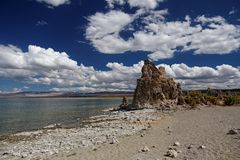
{"points": [[155, 89], [125, 105]]}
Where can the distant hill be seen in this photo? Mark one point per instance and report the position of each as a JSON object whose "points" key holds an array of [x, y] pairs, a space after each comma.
{"points": [[53, 94], [216, 91], [63, 94]]}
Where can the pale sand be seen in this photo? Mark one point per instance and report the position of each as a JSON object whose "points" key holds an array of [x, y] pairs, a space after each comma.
{"points": [[208, 126]]}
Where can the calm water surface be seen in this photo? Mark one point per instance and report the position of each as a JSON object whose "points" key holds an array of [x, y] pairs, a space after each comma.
{"points": [[23, 114]]}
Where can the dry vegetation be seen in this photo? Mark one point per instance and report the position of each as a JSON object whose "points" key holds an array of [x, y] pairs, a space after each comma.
{"points": [[212, 97]]}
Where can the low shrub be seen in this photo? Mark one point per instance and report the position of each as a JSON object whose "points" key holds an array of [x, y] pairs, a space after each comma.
{"points": [[230, 100], [191, 101], [213, 100], [193, 98]]}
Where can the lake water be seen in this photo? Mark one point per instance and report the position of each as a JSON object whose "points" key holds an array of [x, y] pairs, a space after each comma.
{"points": [[23, 114]]}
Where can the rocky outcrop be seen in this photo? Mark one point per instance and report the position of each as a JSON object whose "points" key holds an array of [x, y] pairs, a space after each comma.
{"points": [[125, 105], [155, 90]]}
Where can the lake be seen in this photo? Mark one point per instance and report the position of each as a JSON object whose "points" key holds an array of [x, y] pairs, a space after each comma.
{"points": [[23, 114]]}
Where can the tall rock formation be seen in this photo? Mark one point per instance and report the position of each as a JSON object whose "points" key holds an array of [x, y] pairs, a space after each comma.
{"points": [[155, 89]]}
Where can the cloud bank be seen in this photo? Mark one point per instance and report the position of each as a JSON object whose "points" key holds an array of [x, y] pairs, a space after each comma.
{"points": [[149, 31], [147, 4], [49, 67], [54, 3]]}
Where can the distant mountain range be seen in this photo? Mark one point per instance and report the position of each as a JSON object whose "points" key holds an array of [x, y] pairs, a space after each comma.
{"points": [[53, 94], [63, 94]]}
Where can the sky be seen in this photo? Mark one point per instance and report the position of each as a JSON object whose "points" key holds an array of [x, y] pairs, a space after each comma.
{"points": [[100, 45]]}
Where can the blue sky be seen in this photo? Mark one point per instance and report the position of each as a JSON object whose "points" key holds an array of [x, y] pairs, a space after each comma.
{"points": [[98, 45]]}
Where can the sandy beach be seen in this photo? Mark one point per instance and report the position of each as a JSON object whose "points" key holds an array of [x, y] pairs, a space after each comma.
{"points": [[202, 134], [139, 135]]}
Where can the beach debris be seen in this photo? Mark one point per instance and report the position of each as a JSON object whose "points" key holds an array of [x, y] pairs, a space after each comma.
{"points": [[179, 151], [153, 146], [53, 126], [24, 155], [114, 141], [202, 147], [145, 149], [72, 154], [108, 136], [16, 154], [169, 130], [84, 143], [5, 153], [190, 146], [149, 125], [233, 131], [176, 143], [172, 153], [173, 148]]}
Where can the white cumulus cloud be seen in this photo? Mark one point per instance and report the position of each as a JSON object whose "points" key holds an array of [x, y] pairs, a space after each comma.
{"points": [[37, 63], [105, 24], [54, 3], [49, 67], [147, 4], [149, 31], [12, 57]]}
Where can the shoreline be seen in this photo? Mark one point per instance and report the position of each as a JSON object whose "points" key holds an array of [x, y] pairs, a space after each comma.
{"points": [[97, 129], [71, 97], [15, 121], [112, 130]]}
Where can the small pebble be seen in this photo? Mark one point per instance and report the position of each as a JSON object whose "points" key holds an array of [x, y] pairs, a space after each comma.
{"points": [[190, 146], [202, 147], [5, 153], [179, 151], [233, 131], [114, 141], [145, 149], [171, 153], [23, 155], [176, 144]]}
